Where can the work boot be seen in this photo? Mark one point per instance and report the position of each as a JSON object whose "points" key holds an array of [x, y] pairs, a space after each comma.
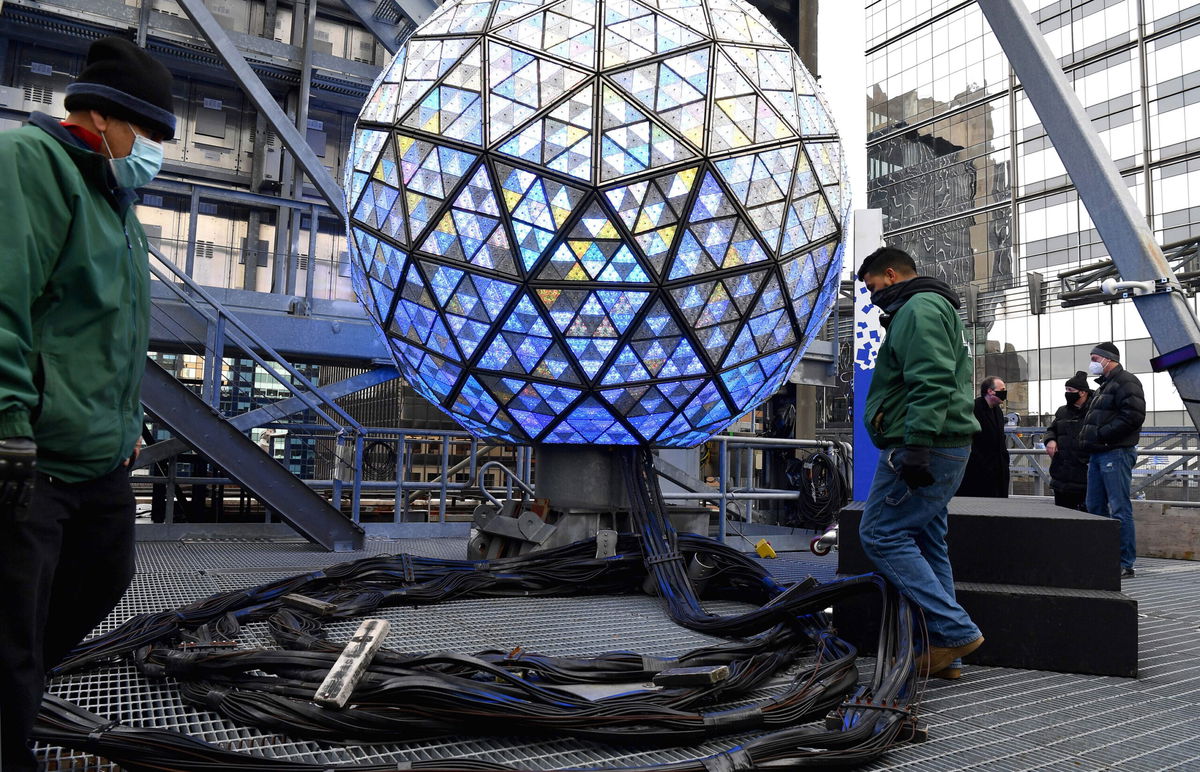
{"points": [[951, 673], [938, 658], [1127, 573]]}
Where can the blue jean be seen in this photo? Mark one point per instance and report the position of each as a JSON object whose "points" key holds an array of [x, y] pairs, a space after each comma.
{"points": [[1109, 476], [903, 532]]}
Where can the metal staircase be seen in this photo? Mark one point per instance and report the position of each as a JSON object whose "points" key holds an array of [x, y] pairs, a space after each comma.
{"points": [[197, 423], [203, 428]]}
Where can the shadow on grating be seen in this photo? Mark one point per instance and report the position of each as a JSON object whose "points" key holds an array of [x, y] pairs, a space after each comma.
{"points": [[994, 718]]}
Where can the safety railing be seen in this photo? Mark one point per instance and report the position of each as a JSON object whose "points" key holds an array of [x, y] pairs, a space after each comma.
{"points": [[1167, 465], [744, 464]]}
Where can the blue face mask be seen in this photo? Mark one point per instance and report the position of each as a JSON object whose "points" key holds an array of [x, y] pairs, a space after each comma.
{"points": [[139, 167]]}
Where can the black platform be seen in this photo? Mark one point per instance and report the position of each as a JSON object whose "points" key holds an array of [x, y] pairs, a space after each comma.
{"points": [[1042, 583]]}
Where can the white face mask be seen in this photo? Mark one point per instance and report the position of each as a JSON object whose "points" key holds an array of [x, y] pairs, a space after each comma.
{"points": [[1096, 368], [140, 166]]}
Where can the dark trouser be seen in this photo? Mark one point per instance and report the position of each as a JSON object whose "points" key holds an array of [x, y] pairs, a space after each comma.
{"points": [[64, 564], [1071, 499]]}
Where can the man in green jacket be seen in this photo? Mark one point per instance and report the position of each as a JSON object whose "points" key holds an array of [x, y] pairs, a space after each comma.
{"points": [[74, 325], [919, 413]]}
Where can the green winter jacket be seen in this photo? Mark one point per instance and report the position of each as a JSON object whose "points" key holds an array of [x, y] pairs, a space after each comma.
{"points": [[921, 391], [74, 303]]}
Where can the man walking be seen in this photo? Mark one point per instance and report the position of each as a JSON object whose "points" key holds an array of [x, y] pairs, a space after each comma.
{"points": [[918, 412], [987, 469], [74, 325], [1110, 433]]}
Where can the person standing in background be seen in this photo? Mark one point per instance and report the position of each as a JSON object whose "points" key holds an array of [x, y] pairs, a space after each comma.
{"points": [[987, 469], [1110, 433], [1068, 466]]}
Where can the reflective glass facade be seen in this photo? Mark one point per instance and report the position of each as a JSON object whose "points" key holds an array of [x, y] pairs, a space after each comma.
{"points": [[585, 222], [970, 184]]}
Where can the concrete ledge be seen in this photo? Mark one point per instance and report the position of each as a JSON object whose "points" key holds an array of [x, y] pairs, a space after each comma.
{"points": [[1167, 529]]}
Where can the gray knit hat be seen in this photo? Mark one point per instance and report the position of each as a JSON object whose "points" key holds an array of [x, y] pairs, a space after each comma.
{"points": [[1108, 350]]}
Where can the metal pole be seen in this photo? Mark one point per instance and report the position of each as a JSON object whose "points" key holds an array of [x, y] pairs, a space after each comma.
{"points": [[722, 471], [357, 491], [189, 265], [312, 262], [445, 466], [1125, 232]]}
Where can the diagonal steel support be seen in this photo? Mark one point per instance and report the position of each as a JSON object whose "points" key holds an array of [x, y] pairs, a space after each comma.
{"points": [[265, 102], [160, 451], [386, 18], [206, 430], [1122, 227]]}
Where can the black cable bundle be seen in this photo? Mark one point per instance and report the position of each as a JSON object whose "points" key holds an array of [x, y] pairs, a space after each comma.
{"points": [[408, 696], [823, 480]]}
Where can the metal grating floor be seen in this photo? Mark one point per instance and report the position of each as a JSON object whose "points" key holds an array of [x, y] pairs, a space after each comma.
{"points": [[994, 718]]}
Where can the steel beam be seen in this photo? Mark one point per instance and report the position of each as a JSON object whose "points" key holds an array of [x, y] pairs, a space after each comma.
{"points": [[221, 44], [382, 19], [1122, 227], [203, 428], [161, 451]]}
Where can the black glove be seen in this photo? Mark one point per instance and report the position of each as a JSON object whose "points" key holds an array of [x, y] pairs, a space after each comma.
{"points": [[914, 466], [18, 460]]}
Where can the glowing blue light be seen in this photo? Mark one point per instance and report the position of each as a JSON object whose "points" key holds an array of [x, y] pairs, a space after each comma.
{"points": [[612, 228]]}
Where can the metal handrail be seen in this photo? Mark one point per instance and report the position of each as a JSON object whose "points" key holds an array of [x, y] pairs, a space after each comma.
{"points": [[510, 474], [305, 397]]}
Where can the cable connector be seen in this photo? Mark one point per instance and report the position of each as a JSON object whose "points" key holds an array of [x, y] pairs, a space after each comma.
{"points": [[705, 675]]}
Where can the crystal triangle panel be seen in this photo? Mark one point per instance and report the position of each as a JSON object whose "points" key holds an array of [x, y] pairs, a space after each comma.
{"points": [[761, 181], [562, 140], [455, 107], [594, 250], [633, 31], [538, 208], [731, 22], [429, 172], [675, 89], [687, 12], [814, 117], [475, 402], [470, 231], [428, 59], [566, 29], [630, 142], [771, 70], [439, 374], [627, 401], [707, 407], [458, 18], [777, 367], [521, 84], [652, 210], [592, 421]]}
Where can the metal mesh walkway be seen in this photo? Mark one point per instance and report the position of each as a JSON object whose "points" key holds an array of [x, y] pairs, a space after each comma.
{"points": [[994, 718]]}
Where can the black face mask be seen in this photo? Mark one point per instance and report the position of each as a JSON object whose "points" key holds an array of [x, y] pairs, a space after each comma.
{"points": [[1072, 397], [1002, 395]]}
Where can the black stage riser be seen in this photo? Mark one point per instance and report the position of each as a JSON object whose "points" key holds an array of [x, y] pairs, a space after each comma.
{"points": [[1033, 628]]}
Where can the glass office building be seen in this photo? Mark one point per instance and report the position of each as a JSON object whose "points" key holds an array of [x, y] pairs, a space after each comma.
{"points": [[970, 184]]}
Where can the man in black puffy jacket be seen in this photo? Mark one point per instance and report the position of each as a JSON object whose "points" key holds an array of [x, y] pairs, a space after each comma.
{"points": [[1069, 466], [1110, 433]]}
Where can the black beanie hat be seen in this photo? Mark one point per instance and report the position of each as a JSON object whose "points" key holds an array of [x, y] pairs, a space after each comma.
{"points": [[125, 82], [1079, 381], [1108, 350]]}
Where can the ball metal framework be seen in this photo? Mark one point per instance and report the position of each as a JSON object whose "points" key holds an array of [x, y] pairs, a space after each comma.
{"points": [[596, 221]]}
